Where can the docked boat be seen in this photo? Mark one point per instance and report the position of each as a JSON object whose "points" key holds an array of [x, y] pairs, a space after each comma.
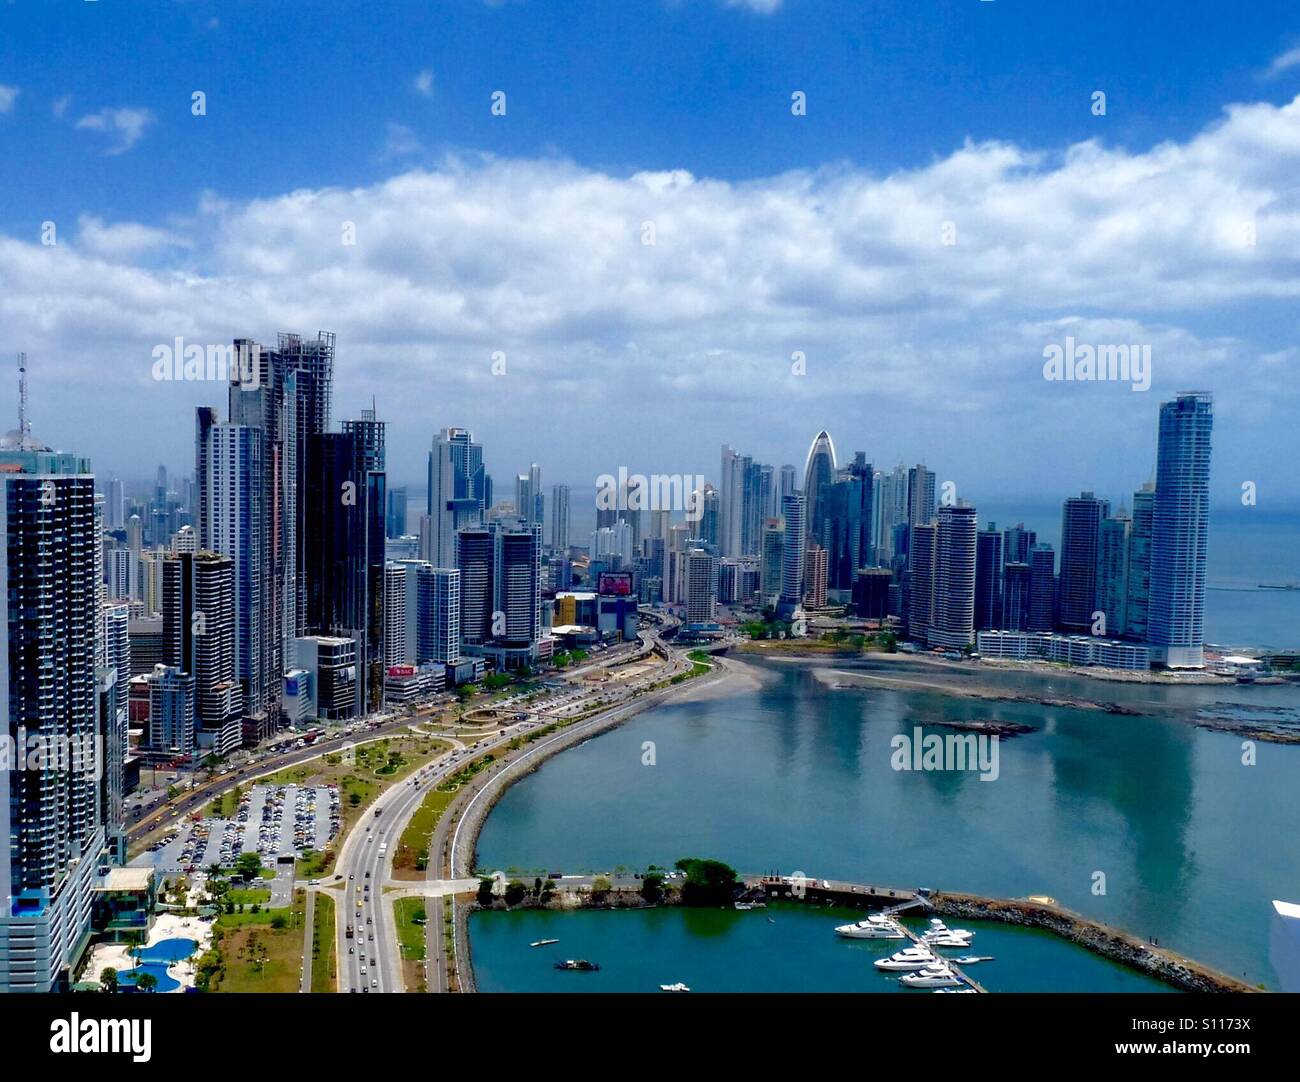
{"points": [[577, 963], [971, 959], [936, 976], [678, 987], [956, 991], [874, 927], [744, 907], [940, 935], [909, 959], [543, 943]]}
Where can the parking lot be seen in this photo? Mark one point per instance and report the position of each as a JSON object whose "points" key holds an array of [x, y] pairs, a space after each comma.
{"points": [[272, 821]]}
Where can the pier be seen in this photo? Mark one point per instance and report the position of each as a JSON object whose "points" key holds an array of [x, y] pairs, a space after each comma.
{"points": [[860, 895], [1161, 963]]}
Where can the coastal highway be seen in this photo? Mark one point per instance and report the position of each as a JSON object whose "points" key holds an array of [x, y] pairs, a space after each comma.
{"points": [[367, 853], [169, 813]]}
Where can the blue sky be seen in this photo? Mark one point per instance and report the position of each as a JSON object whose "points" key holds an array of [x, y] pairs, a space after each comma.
{"points": [[480, 232]]}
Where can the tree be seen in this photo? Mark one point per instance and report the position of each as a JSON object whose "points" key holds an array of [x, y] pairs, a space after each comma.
{"points": [[146, 982], [279, 920], [485, 891], [652, 886], [108, 979], [708, 882], [515, 892], [600, 887], [249, 865]]}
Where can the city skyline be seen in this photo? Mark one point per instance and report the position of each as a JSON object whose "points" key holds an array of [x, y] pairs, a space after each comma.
{"points": [[927, 276]]}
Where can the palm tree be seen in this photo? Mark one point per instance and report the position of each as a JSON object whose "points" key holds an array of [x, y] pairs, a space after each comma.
{"points": [[108, 979], [146, 982]]}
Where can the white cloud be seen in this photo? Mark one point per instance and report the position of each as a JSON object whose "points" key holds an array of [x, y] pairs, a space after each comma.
{"points": [[8, 95], [123, 239], [1188, 246], [127, 125], [399, 142], [763, 7], [59, 107], [424, 83], [1288, 60]]}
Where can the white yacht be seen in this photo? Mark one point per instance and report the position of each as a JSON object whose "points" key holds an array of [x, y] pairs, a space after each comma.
{"points": [[940, 935], [935, 976], [956, 991], [874, 927], [678, 987], [911, 958]]}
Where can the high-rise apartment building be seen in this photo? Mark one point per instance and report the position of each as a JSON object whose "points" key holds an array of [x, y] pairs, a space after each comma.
{"points": [[1042, 588], [560, 518], [1081, 519], [458, 494], [792, 555], [51, 814], [500, 591], [988, 578], [1180, 536], [1137, 601], [701, 574], [1114, 539]]}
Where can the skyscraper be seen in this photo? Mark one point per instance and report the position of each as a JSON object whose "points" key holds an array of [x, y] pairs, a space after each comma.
{"points": [[1113, 544], [395, 519], [458, 494], [1016, 543], [1180, 534], [952, 623], [923, 553], [1042, 588], [233, 518], [1015, 597], [560, 518], [793, 543], [701, 572], [815, 575], [847, 527], [500, 591], [1137, 601], [819, 475], [731, 498], [528, 494], [1081, 519], [198, 609], [52, 811], [345, 552], [770, 565], [988, 578]]}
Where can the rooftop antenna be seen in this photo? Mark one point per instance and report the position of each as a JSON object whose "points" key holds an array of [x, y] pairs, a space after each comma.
{"points": [[24, 426]]}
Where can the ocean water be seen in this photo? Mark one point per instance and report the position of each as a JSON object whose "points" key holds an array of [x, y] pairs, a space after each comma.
{"points": [[1149, 823]]}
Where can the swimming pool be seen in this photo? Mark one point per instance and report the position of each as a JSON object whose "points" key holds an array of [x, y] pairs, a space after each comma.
{"points": [[168, 951]]}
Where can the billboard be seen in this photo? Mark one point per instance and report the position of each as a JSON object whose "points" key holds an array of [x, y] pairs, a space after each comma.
{"points": [[617, 583]]}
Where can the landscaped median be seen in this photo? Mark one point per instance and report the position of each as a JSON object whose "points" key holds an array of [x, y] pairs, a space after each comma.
{"points": [[411, 915], [324, 946]]}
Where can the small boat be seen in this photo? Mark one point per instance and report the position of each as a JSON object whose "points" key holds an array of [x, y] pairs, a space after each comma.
{"points": [[678, 987], [579, 964], [936, 976], [911, 958], [744, 907], [957, 991], [543, 943], [874, 927], [971, 959]]}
